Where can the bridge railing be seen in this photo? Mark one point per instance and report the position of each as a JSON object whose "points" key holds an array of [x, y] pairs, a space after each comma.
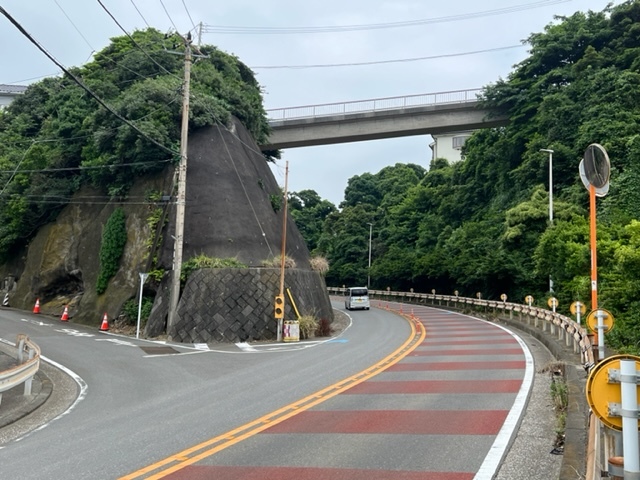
{"points": [[27, 355], [374, 105]]}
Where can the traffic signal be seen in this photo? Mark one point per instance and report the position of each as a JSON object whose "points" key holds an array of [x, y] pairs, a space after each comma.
{"points": [[279, 311]]}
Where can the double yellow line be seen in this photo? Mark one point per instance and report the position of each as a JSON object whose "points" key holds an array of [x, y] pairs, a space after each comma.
{"points": [[205, 449]]}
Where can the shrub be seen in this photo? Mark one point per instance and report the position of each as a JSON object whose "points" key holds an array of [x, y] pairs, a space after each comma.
{"points": [[324, 328], [308, 326], [114, 238], [274, 262], [130, 311], [202, 261], [319, 264]]}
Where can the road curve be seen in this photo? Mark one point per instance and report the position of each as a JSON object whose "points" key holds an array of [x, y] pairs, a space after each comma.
{"points": [[446, 408], [145, 401]]}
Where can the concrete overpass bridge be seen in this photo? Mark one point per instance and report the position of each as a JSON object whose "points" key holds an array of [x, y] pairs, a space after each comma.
{"points": [[329, 123]]}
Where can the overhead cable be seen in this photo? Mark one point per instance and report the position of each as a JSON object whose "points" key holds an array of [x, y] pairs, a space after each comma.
{"points": [[379, 62], [82, 85], [222, 29]]}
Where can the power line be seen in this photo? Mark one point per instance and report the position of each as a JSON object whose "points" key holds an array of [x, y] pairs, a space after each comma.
{"points": [[81, 84], [221, 29], [169, 16], [189, 15], [134, 42], [380, 62], [140, 13], [81, 168], [74, 26]]}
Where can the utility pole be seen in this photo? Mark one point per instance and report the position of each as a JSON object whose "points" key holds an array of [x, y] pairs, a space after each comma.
{"points": [[182, 187], [550, 152]]}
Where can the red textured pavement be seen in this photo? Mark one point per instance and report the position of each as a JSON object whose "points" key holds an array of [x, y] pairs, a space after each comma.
{"points": [[364, 442], [436, 386], [496, 365], [397, 422], [300, 473]]}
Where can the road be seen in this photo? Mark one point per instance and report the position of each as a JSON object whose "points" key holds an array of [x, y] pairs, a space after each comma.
{"points": [[231, 412]]}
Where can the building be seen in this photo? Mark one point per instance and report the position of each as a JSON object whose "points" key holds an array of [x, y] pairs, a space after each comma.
{"points": [[449, 145], [9, 92]]}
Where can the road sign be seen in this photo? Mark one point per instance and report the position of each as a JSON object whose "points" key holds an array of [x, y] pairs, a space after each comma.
{"points": [[607, 320], [552, 302], [578, 307], [528, 299], [503, 297], [601, 392]]}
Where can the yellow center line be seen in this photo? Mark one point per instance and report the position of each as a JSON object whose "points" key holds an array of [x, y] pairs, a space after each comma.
{"points": [[207, 448]]}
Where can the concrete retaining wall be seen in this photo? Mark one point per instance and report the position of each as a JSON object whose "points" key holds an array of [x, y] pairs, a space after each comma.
{"points": [[234, 305]]}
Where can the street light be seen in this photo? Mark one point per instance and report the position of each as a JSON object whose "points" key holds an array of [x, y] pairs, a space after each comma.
{"points": [[369, 270], [550, 152]]}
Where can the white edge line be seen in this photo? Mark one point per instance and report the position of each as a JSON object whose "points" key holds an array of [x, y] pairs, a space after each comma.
{"points": [[505, 436], [83, 393]]}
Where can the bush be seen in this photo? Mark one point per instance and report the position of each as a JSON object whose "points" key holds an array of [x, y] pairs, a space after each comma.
{"points": [[324, 328], [130, 311], [319, 264], [274, 262], [308, 326], [114, 238], [202, 261]]}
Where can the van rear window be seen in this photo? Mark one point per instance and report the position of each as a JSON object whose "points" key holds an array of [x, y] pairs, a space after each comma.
{"points": [[359, 292]]}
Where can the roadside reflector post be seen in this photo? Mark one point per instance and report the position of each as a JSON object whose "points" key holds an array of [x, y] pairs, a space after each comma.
{"points": [[600, 316], [629, 387]]}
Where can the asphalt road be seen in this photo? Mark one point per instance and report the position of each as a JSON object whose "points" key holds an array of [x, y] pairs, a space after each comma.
{"points": [[445, 406], [140, 406]]}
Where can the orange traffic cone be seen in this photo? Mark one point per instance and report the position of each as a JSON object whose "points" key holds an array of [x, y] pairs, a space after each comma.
{"points": [[65, 314], [36, 307], [105, 323]]}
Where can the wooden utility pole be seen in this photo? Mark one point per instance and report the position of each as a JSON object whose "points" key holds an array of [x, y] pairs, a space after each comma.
{"points": [[284, 247], [182, 188]]}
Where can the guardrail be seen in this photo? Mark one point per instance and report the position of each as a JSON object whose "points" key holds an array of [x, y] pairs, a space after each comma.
{"points": [[574, 335], [373, 105], [28, 359], [602, 442]]}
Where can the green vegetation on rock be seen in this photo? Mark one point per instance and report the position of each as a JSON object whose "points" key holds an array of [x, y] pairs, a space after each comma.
{"points": [[114, 239], [56, 137]]}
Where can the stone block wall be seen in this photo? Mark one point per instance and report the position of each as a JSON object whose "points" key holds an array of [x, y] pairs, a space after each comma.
{"points": [[235, 305]]}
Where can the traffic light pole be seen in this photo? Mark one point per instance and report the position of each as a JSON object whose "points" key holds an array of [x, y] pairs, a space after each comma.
{"points": [[284, 248]]}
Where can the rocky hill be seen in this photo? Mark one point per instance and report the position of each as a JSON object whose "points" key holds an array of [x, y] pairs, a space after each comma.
{"points": [[232, 211]]}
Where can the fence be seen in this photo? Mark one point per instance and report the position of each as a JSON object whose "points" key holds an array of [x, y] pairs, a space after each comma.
{"points": [[374, 105]]}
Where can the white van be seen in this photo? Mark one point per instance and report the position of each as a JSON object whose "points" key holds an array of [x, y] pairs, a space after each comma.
{"points": [[356, 297]]}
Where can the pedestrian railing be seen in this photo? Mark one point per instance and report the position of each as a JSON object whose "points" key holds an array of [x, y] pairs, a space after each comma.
{"points": [[27, 356]]}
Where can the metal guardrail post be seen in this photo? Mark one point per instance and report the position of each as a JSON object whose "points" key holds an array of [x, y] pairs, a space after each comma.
{"points": [[26, 368]]}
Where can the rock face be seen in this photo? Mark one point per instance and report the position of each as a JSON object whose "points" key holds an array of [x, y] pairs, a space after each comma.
{"points": [[230, 199]]}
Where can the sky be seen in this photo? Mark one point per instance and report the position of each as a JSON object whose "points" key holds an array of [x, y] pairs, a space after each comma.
{"points": [[307, 53]]}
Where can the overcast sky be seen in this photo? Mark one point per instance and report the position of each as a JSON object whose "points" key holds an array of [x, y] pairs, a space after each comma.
{"points": [[396, 55]]}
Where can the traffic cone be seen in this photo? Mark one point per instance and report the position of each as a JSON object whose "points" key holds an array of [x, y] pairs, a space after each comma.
{"points": [[36, 307], [65, 314], [105, 323]]}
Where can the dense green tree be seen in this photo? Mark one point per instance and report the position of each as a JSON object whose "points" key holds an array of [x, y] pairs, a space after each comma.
{"points": [[56, 136], [309, 211], [481, 225]]}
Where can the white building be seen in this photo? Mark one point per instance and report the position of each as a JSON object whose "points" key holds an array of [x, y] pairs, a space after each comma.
{"points": [[449, 145], [9, 92]]}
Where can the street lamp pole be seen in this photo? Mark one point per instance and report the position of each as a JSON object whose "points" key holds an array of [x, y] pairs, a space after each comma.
{"points": [[550, 152], [369, 270]]}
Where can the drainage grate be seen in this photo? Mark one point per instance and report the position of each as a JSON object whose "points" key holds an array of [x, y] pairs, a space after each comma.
{"points": [[159, 350]]}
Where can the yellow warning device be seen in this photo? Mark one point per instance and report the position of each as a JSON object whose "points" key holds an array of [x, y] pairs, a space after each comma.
{"points": [[279, 306]]}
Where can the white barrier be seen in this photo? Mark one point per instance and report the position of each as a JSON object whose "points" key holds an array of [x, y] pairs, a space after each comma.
{"points": [[28, 358]]}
